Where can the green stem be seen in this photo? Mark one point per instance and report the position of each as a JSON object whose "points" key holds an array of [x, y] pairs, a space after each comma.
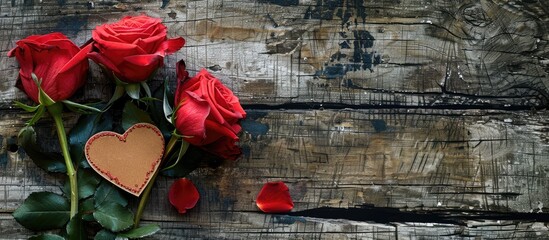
{"points": [[147, 192], [55, 111]]}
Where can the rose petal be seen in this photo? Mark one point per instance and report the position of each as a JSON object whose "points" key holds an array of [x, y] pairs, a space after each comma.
{"points": [[77, 59], [138, 68], [182, 76], [58, 62], [208, 84], [68, 80], [274, 197], [23, 55], [191, 117], [149, 44], [101, 59], [170, 46], [225, 148], [183, 195], [46, 37], [228, 104], [215, 131]]}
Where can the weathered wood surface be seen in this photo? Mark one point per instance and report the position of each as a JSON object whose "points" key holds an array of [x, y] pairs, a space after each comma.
{"points": [[432, 108]]}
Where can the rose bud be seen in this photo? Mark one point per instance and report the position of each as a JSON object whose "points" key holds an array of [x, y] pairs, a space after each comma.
{"points": [[207, 113], [133, 48], [55, 60]]}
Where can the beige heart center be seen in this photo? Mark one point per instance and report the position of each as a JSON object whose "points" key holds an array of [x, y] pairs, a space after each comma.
{"points": [[128, 160]]}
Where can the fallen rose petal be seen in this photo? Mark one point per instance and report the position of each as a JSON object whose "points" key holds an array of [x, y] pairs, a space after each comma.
{"points": [[183, 195], [274, 197]]}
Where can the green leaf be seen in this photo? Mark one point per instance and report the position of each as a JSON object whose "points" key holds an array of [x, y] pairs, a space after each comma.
{"points": [[146, 88], [86, 126], [104, 235], [75, 229], [43, 211], [133, 89], [148, 99], [39, 113], [140, 232], [116, 79], [86, 208], [193, 157], [118, 93], [106, 192], [131, 115], [156, 110], [87, 183], [113, 217], [47, 236], [80, 108], [43, 98], [182, 150], [26, 107], [51, 162], [168, 110], [66, 188]]}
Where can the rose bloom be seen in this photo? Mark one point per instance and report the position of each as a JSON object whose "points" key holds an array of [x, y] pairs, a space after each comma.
{"points": [[133, 48], [56, 60], [207, 113]]}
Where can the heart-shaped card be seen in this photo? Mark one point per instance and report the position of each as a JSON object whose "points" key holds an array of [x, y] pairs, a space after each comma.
{"points": [[127, 160]]}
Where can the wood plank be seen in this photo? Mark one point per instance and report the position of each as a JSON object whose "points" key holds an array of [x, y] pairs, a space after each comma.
{"points": [[412, 161], [390, 106], [488, 54]]}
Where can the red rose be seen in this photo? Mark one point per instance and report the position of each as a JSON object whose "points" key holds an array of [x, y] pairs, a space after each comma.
{"points": [[59, 63], [133, 48], [207, 113]]}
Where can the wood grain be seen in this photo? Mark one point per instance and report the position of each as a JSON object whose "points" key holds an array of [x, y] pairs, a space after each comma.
{"points": [[490, 54], [419, 107], [412, 161]]}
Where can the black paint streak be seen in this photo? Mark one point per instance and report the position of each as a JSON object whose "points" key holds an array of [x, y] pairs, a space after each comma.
{"points": [[337, 106], [374, 214], [344, 45], [164, 3], [270, 18], [345, 10], [3, 156], [71, 25], [254, 128], [284, 2], [11, 146], [360, 58], [332, 72], [28, 3], [379, 125], [387, 215]]}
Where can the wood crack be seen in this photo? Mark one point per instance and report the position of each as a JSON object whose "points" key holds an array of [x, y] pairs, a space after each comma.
{"points": [[388, 215], [338, 106]]}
